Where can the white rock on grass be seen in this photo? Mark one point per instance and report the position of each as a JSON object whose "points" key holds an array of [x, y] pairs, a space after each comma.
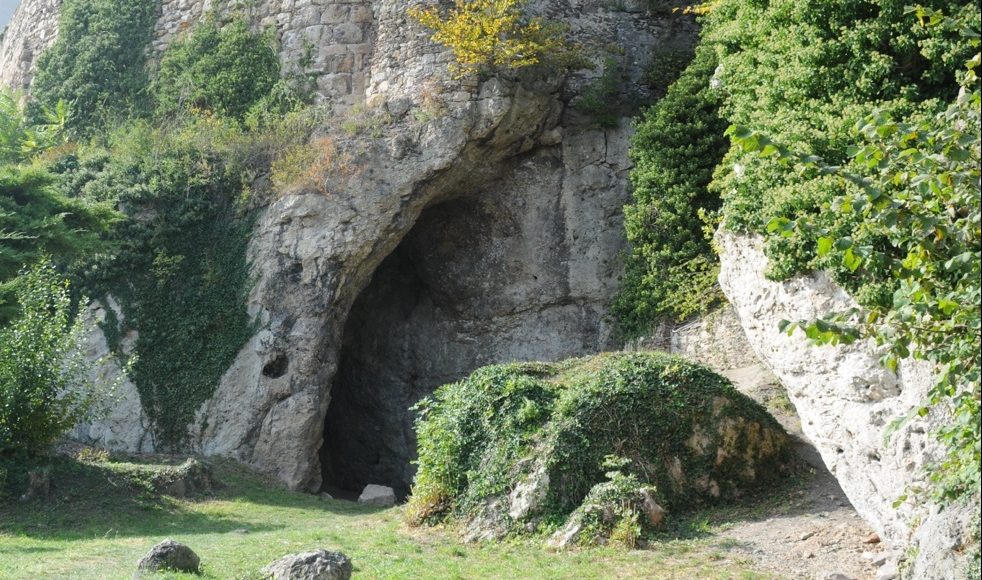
{"points": [[377, 495], [316, 565]]}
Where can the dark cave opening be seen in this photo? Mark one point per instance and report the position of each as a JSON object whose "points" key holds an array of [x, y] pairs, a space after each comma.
{"points": [[410, 330], [368, 434], [497, 276]]}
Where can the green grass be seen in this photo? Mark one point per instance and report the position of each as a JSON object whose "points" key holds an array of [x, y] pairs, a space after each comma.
{"points": [[100, 519]]}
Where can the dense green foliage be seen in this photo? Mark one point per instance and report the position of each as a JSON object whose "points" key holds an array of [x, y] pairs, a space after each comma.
{"points": [[177, 263], [44, 384], [36, 218], [179, 269], [671, 271], [225, 70], [612, 512], [803, 73], [480, 437], [909, 220], [98, 63]]}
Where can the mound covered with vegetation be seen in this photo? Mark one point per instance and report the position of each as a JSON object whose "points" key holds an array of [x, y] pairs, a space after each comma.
{"points": [[613, 440]]}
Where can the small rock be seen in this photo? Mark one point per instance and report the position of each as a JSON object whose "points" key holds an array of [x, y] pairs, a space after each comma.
{"points": [[887, 572], [809, 555], [377, 495], [806, 535], [873, 538], [240, 531], [316, 565], [837, 576], [325, 495], [169, 555]]}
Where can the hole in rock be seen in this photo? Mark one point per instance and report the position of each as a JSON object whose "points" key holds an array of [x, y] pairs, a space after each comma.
{"points": [[398, 347], [277, 367]]}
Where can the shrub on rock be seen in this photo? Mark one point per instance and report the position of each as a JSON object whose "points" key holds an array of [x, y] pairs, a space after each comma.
{"points": [[517, 446]]}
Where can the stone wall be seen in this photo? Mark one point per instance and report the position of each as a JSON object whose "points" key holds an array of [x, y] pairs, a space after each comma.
{"points": [[32, 28], [329, 40]]}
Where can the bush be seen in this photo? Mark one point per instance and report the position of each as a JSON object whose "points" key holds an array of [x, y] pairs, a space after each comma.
{"points": [[98, 62], [44, 385], [222, 69], [671, 271], [487, 36], [551, 427]]}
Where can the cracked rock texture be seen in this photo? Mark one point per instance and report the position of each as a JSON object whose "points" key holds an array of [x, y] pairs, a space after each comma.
{"points": [[847, 402]]}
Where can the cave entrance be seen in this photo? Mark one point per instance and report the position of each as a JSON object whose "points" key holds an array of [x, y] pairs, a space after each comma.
{"points": [[403, 338], [505, 273]]}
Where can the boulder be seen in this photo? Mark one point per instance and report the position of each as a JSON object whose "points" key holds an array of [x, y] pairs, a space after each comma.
{"points": [[848, 403], [316, 565], [377, 495], [169, 555]]}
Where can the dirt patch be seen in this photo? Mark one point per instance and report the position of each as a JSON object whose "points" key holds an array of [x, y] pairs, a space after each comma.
{"points": [[817, 533]]}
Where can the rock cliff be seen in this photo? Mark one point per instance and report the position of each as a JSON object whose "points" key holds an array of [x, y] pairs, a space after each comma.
{"points": [[480, 222], [848, 404]]}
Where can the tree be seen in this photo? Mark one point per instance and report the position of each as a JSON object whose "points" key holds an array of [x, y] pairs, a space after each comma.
{"points": [[44, 377], [35, 216], [490, 35]]}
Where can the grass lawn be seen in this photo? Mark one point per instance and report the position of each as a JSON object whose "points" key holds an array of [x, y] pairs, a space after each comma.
{"points": [[102, 516]]}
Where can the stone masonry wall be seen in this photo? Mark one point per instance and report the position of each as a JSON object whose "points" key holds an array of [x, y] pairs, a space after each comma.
{"points": [[329, 40], [33, 27]]}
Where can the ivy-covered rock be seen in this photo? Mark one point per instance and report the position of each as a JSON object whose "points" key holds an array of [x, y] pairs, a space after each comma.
{"points": [[523, 446]]}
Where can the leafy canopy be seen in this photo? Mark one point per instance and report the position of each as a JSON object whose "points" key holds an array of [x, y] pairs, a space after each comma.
{"points": [[44, 377], [222, 69], [671, 271], [490, 35], [903, 215], [98, 62]]}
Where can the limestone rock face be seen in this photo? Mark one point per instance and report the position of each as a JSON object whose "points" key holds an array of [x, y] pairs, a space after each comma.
{"points": [[846, 401], [480, 223], [122, 425]]}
